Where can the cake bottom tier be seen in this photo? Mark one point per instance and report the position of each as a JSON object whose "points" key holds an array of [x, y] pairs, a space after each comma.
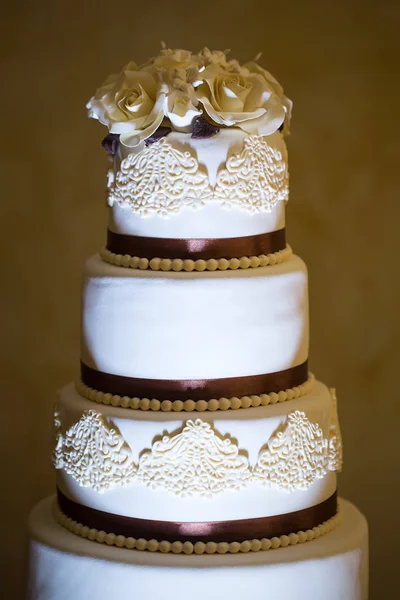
{"points": [[64, 566]]}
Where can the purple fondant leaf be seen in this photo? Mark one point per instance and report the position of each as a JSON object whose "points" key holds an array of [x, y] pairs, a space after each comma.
{"points": [[203, 128], [157, 135], [111, 143]]}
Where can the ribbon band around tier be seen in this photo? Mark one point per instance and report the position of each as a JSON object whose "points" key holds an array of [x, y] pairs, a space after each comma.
{"points": [[196, 248], [215, 531], [194, 389]]}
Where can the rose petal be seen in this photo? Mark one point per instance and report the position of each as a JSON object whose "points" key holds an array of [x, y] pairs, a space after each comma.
{"points": [[269, 122], [134, 138]]}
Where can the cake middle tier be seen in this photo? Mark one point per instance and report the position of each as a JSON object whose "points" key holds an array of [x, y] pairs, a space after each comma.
{"points": [[191, 467], [197, 325]]}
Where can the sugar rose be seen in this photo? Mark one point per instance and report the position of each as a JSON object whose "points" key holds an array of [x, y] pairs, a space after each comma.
{"points": [[276, 87], [132, 104], [242, 98], [178, 70]]}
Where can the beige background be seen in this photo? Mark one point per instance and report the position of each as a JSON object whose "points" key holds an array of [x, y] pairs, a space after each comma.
{"points": [[339, 62]]}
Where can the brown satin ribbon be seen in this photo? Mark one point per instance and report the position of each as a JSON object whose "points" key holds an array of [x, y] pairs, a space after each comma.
{"points": [[149, 247], [215, 531], [194, 389]]}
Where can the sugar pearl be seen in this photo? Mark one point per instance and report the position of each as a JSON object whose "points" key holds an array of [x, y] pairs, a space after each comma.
{"points": [[187, 548], [164, 546], [199, 548], [155, 264], [293, 539], [211, 547], [176, 547], [201, 405], [285, 541], [256, 545], [152, 545], [155, 404], [234, 547], [110, 539], [189, 405], [120, 541], [245, 546], [266, 544], [141, 544]]}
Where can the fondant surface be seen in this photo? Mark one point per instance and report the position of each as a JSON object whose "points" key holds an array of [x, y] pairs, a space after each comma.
{"points": [[194, 325], [64, 566]]}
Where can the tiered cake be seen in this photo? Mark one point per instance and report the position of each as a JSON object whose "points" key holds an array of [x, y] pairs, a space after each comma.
{"points": [[196, 455]]}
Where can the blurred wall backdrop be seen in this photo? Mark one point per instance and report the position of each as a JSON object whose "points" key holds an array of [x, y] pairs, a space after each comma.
{"points": [[339, 62]]}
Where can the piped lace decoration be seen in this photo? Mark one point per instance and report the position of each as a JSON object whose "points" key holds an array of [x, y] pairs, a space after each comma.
{"points": [[335, 451], [295, 455], [93, 452], [256, 179], [196, 460], [160, 179]]}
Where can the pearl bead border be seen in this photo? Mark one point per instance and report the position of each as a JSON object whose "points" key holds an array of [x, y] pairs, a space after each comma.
{"points": [[177, 547], [195, 405], [188, 265]]}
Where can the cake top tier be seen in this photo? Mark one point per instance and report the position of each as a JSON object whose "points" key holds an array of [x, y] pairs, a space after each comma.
{"points": [[194, 131]]}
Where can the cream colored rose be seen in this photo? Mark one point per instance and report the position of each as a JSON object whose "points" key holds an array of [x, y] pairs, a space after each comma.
{"points": [[270, 80], [178, 70], [173, 65], [242, 99], [219, 58], [181, 110], [132, 103]]}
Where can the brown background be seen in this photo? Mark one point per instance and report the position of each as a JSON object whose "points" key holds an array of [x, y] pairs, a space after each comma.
{"points": [[339, 61]]}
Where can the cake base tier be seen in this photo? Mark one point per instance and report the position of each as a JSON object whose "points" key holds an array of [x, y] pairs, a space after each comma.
{"points": [[64, 566]]}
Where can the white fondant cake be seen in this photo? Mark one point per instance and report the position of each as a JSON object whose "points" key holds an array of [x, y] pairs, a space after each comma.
{"points": [[195, 427]]}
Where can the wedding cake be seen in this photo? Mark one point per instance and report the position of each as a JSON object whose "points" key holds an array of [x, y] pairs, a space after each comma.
{"points": [[196, 454]]}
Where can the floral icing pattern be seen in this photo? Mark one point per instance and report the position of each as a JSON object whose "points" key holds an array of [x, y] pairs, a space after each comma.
{"points": [[256, 179], [93, 452], [295, 456], [162, 180], [196, 459]]}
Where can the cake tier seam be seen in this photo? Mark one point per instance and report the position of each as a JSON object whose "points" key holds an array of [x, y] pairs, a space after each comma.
{"points": [[234, 403], [178, 547], [188, 265]]}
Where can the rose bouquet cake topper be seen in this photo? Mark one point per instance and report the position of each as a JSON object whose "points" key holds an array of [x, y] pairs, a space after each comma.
{"points": [[190, 93]]}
